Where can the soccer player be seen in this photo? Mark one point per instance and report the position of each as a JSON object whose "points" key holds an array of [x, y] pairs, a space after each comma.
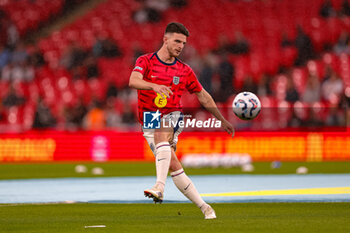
{"points": [[160, 79]]}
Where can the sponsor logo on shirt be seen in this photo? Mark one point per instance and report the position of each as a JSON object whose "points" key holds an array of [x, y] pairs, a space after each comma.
{"points": [[160, 101]]}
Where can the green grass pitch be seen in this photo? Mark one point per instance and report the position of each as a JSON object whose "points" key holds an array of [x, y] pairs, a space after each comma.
{"points": [[236, 217], [251, 217], [66, 169]]}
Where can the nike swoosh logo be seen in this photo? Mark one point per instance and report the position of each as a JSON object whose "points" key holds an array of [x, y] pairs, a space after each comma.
{"points": [[187, 186], [153, 76], [160, 159]]}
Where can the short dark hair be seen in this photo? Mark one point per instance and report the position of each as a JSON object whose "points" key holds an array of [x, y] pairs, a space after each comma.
{"points": [[177, 28]]}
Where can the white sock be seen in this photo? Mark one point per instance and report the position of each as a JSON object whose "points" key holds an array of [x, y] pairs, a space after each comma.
{"points": [[163, 157], [185, 185]]}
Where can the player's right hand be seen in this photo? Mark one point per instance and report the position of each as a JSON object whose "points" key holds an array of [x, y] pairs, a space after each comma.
{"points": [[228, 127], [162, 90]]}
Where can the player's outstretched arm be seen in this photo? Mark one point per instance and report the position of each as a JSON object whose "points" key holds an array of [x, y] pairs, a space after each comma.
{"points": [[136, 81], [207, 101]]}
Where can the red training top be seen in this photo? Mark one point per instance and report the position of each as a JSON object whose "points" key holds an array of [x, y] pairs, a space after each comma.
{"points": [[177, 75]]}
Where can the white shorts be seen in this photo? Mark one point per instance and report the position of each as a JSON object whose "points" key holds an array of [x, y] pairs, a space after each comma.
{"points": [[174, 117]]}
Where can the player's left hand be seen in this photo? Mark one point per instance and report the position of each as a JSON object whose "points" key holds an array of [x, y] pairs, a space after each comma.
{"points": [[227, 126]]}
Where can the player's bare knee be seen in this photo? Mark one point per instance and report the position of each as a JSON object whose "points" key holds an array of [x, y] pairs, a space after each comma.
{"points": [[159, 137], [162, 136]]}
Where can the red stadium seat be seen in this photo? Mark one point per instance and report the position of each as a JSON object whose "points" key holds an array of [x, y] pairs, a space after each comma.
{"points": [[261, 22], [27, 15]]}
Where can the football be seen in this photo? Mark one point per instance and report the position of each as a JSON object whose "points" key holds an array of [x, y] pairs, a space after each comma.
{"points": [[246, 106]]}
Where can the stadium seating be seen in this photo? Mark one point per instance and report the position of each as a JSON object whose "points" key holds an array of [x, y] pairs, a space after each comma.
{"points": [[256, 19], [28, 15], [261, 22]]}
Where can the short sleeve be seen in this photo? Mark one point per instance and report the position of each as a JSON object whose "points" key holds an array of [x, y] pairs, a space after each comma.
{"points": [[193, 85], [141, 65]]}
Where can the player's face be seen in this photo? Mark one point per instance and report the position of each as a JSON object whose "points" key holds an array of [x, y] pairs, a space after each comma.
{"points": [[175, 42]]}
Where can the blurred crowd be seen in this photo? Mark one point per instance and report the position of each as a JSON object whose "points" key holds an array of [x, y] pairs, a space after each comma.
{"points": [[20, 61], [151, 10], [327, 9]]}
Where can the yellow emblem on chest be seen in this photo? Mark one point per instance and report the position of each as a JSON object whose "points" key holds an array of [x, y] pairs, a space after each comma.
{"points": [[160, 101]]}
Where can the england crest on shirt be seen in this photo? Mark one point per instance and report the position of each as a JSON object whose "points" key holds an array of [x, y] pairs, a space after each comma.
{"points": [[176, 80]]}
